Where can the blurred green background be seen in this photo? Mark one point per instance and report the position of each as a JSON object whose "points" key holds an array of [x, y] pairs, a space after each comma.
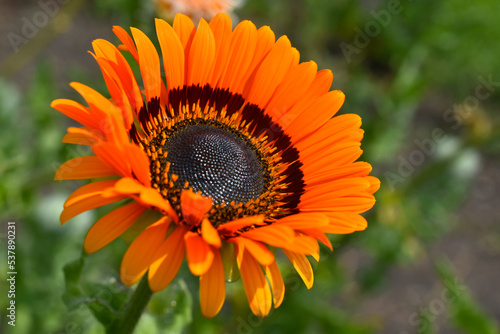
{"points": [[424, 76]]}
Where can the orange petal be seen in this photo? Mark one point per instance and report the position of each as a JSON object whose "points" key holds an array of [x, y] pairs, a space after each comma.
{"points": [[276, 281], [185, 29], [210, 234], [213, 288], [89, 203], [152, 197], [334, 229], [344, 222], [169, 259], [316, 115], [374, 184], [265, 42], [127, 41], [258, 250], [294, 86], [336, 129], [147, 195], [359, 168], [122, 69], [304, 244], [304, 220], [303, 267], [76, 111], [199, 254], [111, 226], [235, 225], [89, 190], [149, 63], [256, 287], [274, 235], [222, 28], [320, 86], [342, 154], [97, 103], [173, 54], [80, 136], [116, 90], [128, 185], [110, 116], [141, 252], [194, 206], [242, 47], [355, 203], [336, 188], [318, 234], [330, 147], [201, 55], [83, 168], [271, 72], [114, 157], [139, 163]]}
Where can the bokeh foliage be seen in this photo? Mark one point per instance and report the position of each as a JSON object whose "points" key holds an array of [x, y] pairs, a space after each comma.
{"points": [[418, 74]]}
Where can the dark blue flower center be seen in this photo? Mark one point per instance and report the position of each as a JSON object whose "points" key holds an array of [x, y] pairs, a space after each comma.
{"points": [[216, 162]]}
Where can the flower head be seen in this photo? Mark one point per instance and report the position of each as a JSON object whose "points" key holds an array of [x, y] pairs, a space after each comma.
{"points": [[236, 148]]}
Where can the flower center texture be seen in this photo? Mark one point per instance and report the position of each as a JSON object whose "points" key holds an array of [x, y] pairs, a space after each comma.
{"points": [[216, 162], [218, 159], [214, 143]]}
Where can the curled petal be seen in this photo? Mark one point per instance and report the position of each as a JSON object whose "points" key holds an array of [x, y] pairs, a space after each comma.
{"points": [[194, 206], [303, 267], [199, 254]]}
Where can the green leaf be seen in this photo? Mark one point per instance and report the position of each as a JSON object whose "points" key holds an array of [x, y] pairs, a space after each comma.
{"points": [[106, 300], [173, 307], [73, 293]]}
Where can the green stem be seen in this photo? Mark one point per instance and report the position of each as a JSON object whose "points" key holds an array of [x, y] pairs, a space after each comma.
{"points": [[126, 323]]}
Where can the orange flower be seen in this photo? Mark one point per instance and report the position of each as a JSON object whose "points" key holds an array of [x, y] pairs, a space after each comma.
{"points": [[237, 149], [196, 9]]}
